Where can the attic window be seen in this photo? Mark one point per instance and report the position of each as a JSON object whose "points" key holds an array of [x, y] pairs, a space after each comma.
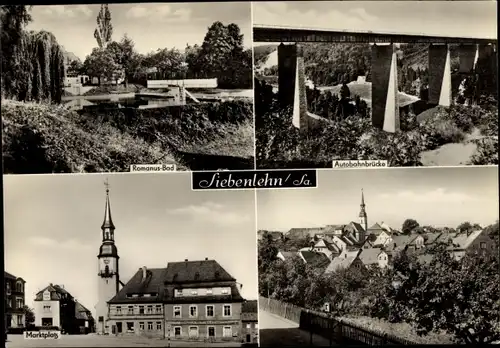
{"points": [[196, 276], [178, 292], [147, 295], [224, 291], [194, 292]]}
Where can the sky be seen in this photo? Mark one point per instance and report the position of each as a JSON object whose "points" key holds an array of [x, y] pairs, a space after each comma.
{"points": [[150, 25], [433, 196], [447, 18], [53, 228]]}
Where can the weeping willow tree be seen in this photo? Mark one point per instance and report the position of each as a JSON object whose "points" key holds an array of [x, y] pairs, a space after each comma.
{"points": [[38, 68], [42, 68]]}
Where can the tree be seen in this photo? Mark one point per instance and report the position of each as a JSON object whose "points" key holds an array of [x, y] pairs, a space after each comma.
{"points": [[460, 297], [168, 62], [13, 19], [29, 316], [124, 55], [100, 63], [104, 29], [409, 225], [75, 67], [267, 252]]}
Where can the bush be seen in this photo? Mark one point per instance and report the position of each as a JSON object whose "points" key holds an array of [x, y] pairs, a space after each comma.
{"points": [[42, 138], [438, 131], [486, 152]]}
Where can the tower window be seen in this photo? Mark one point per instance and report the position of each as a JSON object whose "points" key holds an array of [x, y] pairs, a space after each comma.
{"points": [[106, 269]]}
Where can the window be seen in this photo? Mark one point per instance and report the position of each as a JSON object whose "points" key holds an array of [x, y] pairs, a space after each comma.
{"points": [[130, 310], [177, 331], [118, 310], [19, 303], [256, 325], [249, 326], [130, 326], [158, 325], [101, 319], [227, 310], [209, 292], [211, 331], [193, 331], [158, 308], [8, 288], [177, 311], [193, 311], [46, 308], [482, 245], [210, 311], [178, 292], [20, 320], [19, 287], [227, 331], [194, 292], [225, 291], [141, 309], [10, 303], [150, 325], [141, 325], [46, 321], [149, 310]]}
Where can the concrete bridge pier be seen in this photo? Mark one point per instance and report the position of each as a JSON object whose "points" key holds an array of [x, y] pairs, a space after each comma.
{"points": [[467, 55], [439, 75], [291, 84], [385, 105]]}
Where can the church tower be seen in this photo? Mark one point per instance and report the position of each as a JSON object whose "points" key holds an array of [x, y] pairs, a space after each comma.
{"points": [[363, 220], [108, 276]]}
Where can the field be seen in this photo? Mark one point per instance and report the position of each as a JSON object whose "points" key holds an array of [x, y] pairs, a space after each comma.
{"points": [[46, 138]]}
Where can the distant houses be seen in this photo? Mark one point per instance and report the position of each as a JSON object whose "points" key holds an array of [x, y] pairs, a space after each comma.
{"points": [[14, 302], [354, 245]]}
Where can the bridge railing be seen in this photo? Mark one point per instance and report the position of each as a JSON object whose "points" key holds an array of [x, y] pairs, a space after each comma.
{"points": [[324, 325]]}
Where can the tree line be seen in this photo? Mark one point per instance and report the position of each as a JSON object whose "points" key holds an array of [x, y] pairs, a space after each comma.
{"points": [[221, 55]]}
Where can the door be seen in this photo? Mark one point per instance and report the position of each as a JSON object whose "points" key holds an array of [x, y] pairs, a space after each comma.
{"points": [[119, 327], [249, 338]]}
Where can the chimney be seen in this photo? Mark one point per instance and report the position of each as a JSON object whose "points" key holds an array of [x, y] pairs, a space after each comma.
{"points": [[144, 272], [206, 258], [185, 260]]}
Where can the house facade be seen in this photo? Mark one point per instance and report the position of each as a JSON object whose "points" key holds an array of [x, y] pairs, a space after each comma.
{"points": [[54, 306], [186, 301], [14, 302]]}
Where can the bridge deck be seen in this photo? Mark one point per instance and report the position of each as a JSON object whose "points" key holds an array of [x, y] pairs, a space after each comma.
{"points": [[262, 33], [277, 331]]}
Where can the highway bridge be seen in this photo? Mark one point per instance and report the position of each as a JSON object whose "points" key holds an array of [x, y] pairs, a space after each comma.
{"points": [[385, 105]]}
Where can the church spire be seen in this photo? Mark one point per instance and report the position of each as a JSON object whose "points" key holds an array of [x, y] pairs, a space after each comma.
{"points": [[108, 222], [363, 218]]}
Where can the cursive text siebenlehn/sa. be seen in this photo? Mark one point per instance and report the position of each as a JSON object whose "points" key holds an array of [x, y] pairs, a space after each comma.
{"points": [[256, 180]]}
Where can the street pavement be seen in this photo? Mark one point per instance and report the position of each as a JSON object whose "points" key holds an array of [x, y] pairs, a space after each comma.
{"points": [[92, 340], [277, 331]]}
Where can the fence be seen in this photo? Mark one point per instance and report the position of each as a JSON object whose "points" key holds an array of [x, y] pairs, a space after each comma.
{"points": [[324, 325]]}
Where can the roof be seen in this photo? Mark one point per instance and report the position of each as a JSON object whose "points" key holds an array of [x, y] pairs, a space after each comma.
{"points": [[249, 310], [108, 221], [8, 275], [463, 241], [331, 228], [376, 226], [357, 226], [339, 263], [234, 296], [287, 254], [153, 283], [325, 244], [431, 238], [304, 232], [369, 256], [196, 272], [81, 312], [56, 293], [314, 258]]}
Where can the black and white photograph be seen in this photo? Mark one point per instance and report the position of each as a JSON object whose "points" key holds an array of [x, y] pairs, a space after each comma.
{"points": [[381, 257], [409, 83], [128, 260], [99, 88]]}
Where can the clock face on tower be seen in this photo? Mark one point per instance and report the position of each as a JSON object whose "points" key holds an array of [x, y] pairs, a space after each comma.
{"points": [[106, 249], [106, 261]]}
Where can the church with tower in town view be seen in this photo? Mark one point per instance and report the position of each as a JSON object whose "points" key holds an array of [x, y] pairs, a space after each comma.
{"points": [[190, 300]]}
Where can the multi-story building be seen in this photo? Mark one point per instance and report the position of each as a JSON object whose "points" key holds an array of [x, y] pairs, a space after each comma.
{"points": [[189, 300], [54, 306], [249, 322], [14, 302]]}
